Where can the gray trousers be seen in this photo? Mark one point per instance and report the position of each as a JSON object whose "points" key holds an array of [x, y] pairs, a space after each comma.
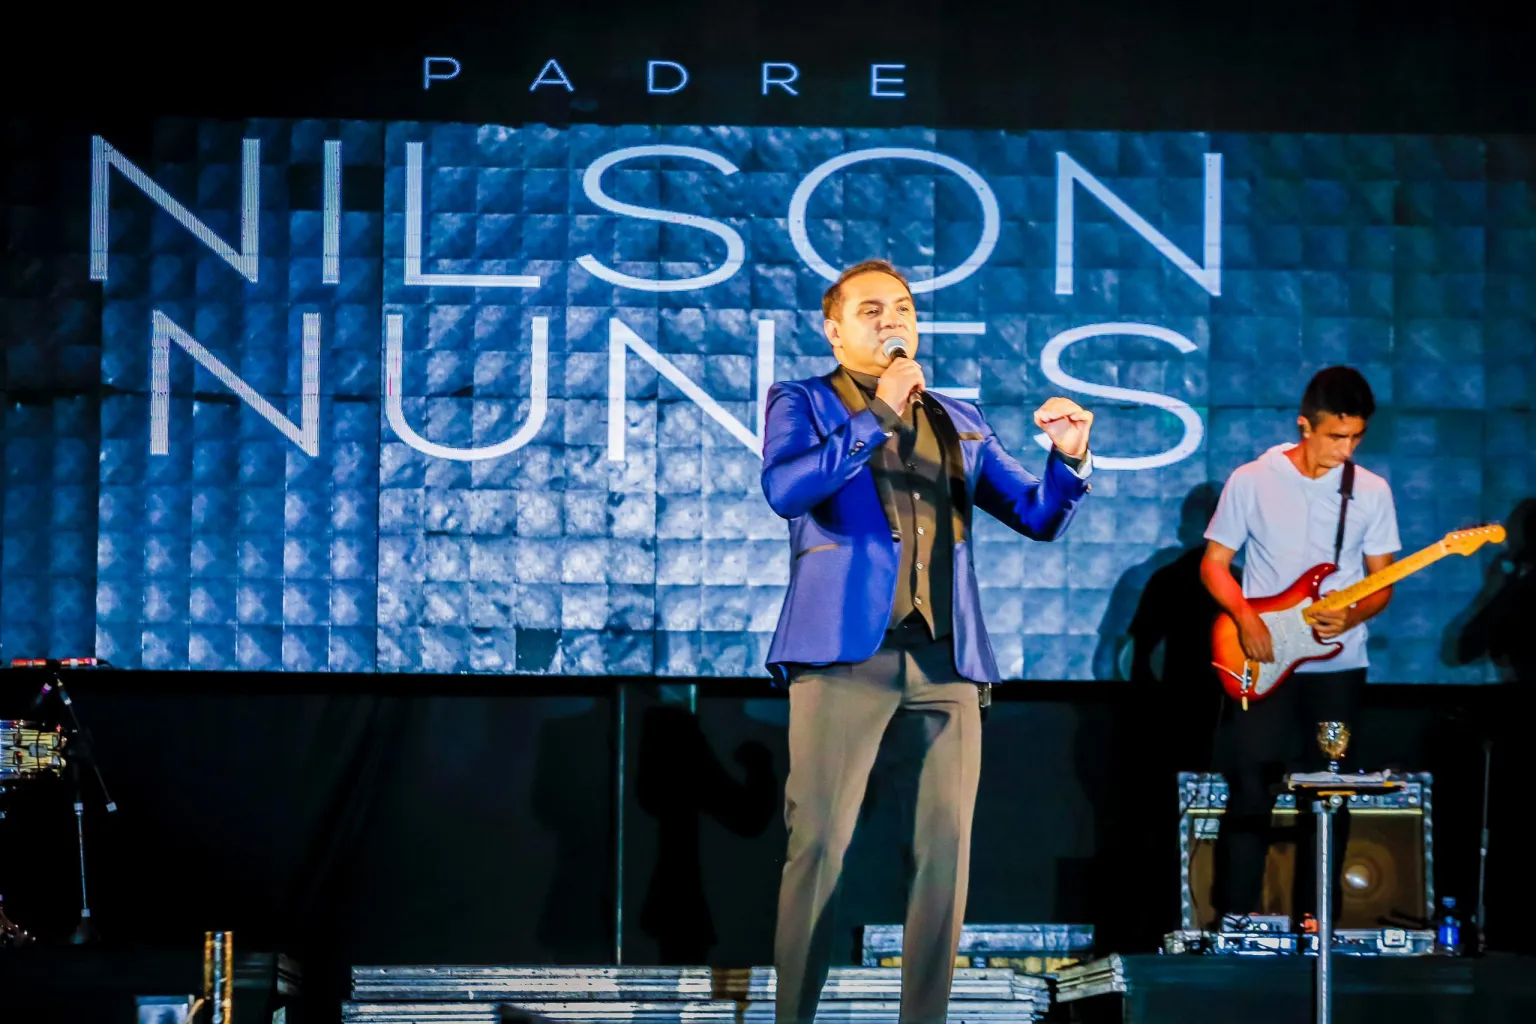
{"points": [[838, 715]]}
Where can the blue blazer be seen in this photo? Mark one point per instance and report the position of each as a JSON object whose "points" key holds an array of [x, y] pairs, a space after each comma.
{"points": [[819, 436]]}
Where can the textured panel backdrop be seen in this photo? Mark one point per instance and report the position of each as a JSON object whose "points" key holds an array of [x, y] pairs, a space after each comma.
{"points": [[1411, 258]]}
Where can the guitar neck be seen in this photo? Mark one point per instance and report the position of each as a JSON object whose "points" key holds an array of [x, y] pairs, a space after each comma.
{"points": [[1381, 580]]}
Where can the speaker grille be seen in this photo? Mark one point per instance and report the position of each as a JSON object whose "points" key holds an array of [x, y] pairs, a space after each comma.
{"points": [[1388, 862]]}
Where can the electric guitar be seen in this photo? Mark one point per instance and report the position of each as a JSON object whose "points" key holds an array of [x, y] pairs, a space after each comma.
{"points": [[1288, 615]]}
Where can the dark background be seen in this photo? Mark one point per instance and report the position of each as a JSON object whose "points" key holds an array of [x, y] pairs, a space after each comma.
{"points": [[1125, 65], [383, 819], [475, 824]]}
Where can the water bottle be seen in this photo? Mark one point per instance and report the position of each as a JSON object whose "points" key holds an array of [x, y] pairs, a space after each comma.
{"points": [[1449, 938]]}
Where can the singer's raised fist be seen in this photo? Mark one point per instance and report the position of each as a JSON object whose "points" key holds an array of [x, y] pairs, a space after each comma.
{"points": [[901, 380], [1067, 424]]}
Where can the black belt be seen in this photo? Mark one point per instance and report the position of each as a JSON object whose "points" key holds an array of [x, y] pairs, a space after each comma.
{"points": [[912, 631]]}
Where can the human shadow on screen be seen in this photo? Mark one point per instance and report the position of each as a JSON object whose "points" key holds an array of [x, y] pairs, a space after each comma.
{"points": [[1157, 626], [573, 799], [1500, 623], [1155, 634], [679, 781]]}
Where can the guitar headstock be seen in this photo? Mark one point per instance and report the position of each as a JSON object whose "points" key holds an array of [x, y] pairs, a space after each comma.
{"points": [[1464, 542]]}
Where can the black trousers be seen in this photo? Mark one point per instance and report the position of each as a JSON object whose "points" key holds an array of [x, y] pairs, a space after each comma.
{"points": [[1254, 749]]}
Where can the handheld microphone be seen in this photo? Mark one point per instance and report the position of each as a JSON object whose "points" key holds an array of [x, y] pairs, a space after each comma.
{"points": [[897, 348]]}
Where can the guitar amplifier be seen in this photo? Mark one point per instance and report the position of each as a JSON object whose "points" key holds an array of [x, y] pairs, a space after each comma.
{"points": [[1388, 871]]}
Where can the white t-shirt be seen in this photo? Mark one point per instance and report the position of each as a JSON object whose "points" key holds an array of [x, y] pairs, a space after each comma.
{"points": [[1289, 523]]}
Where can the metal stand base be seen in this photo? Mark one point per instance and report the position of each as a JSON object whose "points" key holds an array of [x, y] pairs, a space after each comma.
{"points": [[1325, 807], [1331, 791]]}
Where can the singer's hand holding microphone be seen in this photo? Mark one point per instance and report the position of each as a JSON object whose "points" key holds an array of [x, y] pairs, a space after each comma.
{"points": [[902, 381]]}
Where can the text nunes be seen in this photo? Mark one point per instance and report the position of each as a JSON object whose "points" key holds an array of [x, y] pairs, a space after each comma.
{"points": [[1205, 273]]}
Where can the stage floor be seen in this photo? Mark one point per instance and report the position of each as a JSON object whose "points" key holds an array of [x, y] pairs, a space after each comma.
{"points": [[101, 985]]}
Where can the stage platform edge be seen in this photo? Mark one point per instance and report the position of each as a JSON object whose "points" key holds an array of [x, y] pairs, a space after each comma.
{"points": [[1156, 988]]}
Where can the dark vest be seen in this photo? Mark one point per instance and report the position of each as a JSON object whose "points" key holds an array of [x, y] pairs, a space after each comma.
{"points": [[913, 480]]}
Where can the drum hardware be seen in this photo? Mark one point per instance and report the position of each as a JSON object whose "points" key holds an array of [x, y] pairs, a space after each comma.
{"points": [[28, 751], [38, 752], [11, 934]]}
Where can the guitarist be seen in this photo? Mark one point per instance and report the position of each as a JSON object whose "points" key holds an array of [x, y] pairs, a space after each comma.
{"points": [[1295, 506]]}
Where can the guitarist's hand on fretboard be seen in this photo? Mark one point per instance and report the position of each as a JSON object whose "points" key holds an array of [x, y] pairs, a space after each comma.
{"points": [[1330, 623]]}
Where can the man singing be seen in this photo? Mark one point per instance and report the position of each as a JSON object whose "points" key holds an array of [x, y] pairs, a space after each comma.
{"points": [[877, 477]]}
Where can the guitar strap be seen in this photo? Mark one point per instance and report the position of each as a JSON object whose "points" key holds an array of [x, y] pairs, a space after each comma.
{"points": [[1346, 488]]}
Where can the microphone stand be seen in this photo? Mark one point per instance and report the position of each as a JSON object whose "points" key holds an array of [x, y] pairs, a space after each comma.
{"points": [[1482, 853], [85, 932]]}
